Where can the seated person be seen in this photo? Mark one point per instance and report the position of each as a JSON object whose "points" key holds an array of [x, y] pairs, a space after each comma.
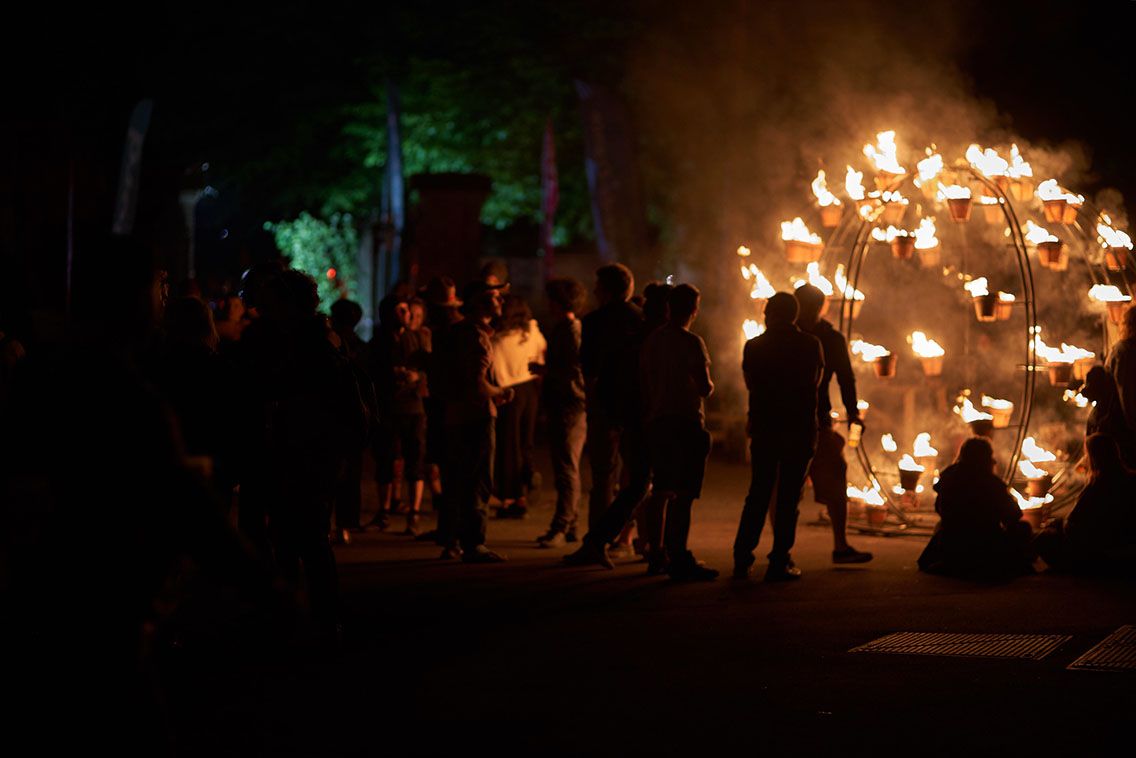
{"points": [[1098, 534], [980, 532]]}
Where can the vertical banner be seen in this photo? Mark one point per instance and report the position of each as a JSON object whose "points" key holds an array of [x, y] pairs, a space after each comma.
{"points": [[550, 196], [613, 177], [129, 174]]}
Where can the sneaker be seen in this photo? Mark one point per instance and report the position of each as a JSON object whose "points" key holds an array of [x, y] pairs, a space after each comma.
{"points": [[588, 556], [850, 555], [379, 521], [553, 538], [687, 569], [482, 554], [782, 572], [657, 563], [741, 570], [570, 535], [411, 529], [453, 552]]}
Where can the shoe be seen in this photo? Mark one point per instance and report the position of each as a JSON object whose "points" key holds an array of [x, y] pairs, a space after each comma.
{"points": [[589, 556], [482, 554], [687, 569], [514, 510], [430, 536], [850, 555], [553, 538], [570, 535], [619, 550], [657, 563], [450, 553], [411, 529], [379, 521], [782, 572]]}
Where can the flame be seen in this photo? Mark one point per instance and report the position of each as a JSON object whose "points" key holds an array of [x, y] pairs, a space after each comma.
{"points": [[1037, 234], [892, 197], [842, 285], [1108, 293], [883, 153], [820, 189], [953, 192], [907, 463], [925, 234], [1005, 297], [1113, 237], [1076, 398], [996, 403], [988, 200], [751, 328], [796, 231], [899, 490], [869, 496], [1029, 504], [1048, 190], [928, 168], [888, 443], [862, 405], [867, 351], [890, 235], [1065, 354], [977, 287], [987, 161], [1035, 453], [761, 286], [816, 278], [743, 251], [1019, 168], [924, 347], [922, 447], [1031, 471], [854, 184], [969, 413]]}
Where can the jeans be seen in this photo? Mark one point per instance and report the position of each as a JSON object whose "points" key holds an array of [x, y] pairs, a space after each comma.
{"points": [[567, 430], [609, 445], [772, 463], [468, 482]]}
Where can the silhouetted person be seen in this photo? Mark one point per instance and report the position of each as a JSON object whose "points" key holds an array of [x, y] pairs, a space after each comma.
{"points": [[614, 415], [1122, 366], [1100, 532], [980, 533], [1106, 416], [563, 394], [345, 317], [675, 368], [782, 369], [471, 413], [828, 470]]}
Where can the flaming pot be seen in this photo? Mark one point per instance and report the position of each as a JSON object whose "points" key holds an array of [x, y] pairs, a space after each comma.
{"points": [[884, 366], [959, 208], [830, 215], [986, 307], [893, 213], [856, 507], [1032, 516], [993, 213], [1116, 258], [802, 252], [930, 257], [1021, 189], [850, 308], [932, 366], [1038, 487], [1055, 210], [1116, 310], [877, 514], [1069, 216], [909, 480], [1062, 262], [982, 427], [1001, 416], [1003, 310], [903, 247], [1049, 253], [885, 180], [1060, 374]]}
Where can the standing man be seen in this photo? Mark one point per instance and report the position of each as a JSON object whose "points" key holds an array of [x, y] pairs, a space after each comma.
{"points": [[782, 370], [676, 380], [828, 471]]}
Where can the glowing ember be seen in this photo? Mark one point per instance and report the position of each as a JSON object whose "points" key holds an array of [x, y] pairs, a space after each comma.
{"points": [[752, 329], [743, 251], [762, 289], [922, 447], [924, 347], [1037, 234], [867, 351], [888, 443], [1031, 471], [883, 153], [1035, 453], [820, 189], [907, 463], [870, 496], [1048, 190], [925, 235], [1076, 398], [1019, 168], [929, 168], [953, 192], [987, 161], [796, 231], [890, 235], [853, 184], [1113, 237], [969, 413], [1030, 503], [842, 285]]}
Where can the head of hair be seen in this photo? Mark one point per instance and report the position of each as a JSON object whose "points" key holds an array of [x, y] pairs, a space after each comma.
{"points": [[189, 321], [655, 297], [976, 452], [515, 313], [1104, 455], [567, 293], [388, 309], [811, 300], [476, 297], [615, 280], [683, 302], [781, 309], [346, 314], [303, 295], [494, 272], [1099, 385]]}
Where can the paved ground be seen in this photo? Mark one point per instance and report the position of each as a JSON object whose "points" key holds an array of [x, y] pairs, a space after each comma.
{"points": [[531, 657]]}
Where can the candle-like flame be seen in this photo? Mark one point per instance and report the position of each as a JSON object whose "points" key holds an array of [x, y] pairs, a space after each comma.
{"points": [[1076, 398], [924, 347], [888, 443], [854, 184], [862, 405], [996, 403], [1048, 190], [796, 231], [987, 161], [1037, 234], [1108, 293], [953, 192], [988, 200], [867, 351], [907, 463], [890, 235], [1030, 503], [925, 234], [843, 286], [883, 153], [928, 168], [1065, 354], [1019, 168], [820, 189], [870, 496], [969, 413], [1031, 471], [899, 490], [977, 287], [743, 251], [1005, 297], [1113, 237], [762, 289], [893, 197], [816, 278], [1035, 453], [922, 447], [751, 328]]}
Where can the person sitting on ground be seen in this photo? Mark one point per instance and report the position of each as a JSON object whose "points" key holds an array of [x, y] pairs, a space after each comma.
{"points": [[1100, 533], [980, 533]]}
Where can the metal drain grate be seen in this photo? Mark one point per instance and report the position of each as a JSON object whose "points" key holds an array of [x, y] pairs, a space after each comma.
{"points": [[1116, 652], [1029, 646]]}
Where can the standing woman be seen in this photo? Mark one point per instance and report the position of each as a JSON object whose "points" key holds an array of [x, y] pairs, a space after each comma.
{"points": [[516, 344]]}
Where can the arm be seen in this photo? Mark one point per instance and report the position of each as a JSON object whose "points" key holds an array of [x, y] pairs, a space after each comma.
{"points": [[702, 381], [841, 365], [1122, 366]]}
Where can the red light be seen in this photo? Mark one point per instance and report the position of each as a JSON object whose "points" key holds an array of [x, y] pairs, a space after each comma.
{"points": [[331, 273]]}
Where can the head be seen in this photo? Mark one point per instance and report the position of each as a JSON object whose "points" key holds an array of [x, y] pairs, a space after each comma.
{"points": [[261, 289], [655, 297], [976, 453], [417, 313], [614, 283], [682, 304], [515, 313], [1099, 385], [303, 295], [441, 292], [1104, 455], [229, 317], [495, 272], [1128, 324], [565, 296], [345, 315], [781, 310], [482, 300], [812, 303], [394, 313], [189, 321]]}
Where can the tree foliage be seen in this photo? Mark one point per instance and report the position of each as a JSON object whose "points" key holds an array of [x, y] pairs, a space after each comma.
{"points": [[315, 245]]}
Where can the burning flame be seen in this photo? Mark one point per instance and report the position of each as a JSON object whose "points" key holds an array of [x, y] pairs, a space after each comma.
{"points": [[1065, 354], [987, 200], [743, 251], [869, 496], [922, 447], [853, 184], [907, 463], [1031, 471], [842, 285], [928, 168], [1076, 398], [924, 347], [977, 287], [1108, 293], [899, 490], [883, 153], [987, 161], [892, 197], [925, 235], [969, 413], [752, 329], [1019, 168], [816, 278], [1113, 237], [1029, 504], [820, 189], [867, 351], [1037, 234], [890, 235], [996, 403], [796, 231], [862, 405], [953, 192], [761, 286], [888, 443], [1048, 190], [1035, 453]]}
